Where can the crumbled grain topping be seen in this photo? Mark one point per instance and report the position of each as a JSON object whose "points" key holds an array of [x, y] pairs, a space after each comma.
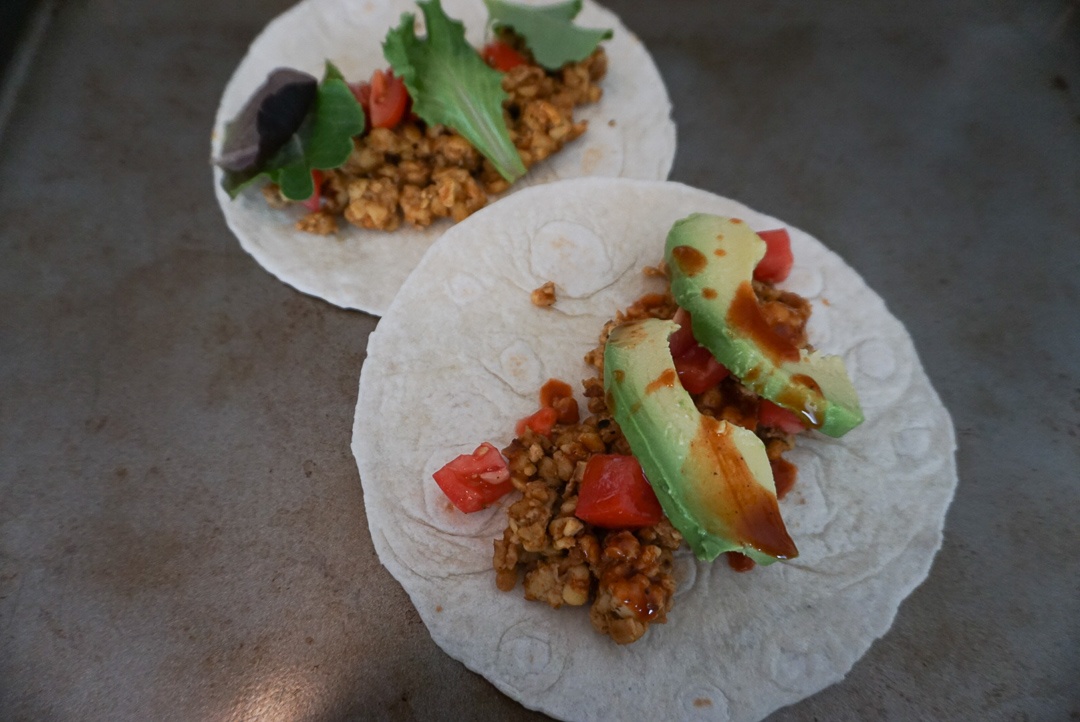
{"points": [[626, 576], [417, 174]]}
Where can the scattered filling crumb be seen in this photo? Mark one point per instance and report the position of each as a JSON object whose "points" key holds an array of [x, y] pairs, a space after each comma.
{"points": [[544, 296]]}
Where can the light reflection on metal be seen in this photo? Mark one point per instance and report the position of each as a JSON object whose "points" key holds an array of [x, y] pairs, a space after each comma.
{"points": [[283, 695]]}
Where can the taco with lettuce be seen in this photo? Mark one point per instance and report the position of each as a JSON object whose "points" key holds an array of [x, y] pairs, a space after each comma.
{"points": [[338, 184], [475, 334]]}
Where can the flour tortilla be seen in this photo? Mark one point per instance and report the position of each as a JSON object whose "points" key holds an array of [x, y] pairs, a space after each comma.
{"points": [[461, 355], [630, 135]]}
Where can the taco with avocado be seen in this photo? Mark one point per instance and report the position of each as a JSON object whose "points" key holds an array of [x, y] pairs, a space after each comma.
{"points": [[519, 294], [337, 185]]}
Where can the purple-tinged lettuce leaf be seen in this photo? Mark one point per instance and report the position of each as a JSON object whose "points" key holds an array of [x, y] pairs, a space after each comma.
{"points": [[322, 140], [268, 120]]}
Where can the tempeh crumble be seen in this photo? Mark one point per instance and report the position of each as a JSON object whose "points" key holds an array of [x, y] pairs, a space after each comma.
{"points": [[418, 174], [626, 574]]}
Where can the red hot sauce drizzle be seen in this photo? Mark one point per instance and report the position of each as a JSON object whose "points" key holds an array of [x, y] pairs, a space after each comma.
{"points": [[691, 261], [628, 587], [751, 513], [784, 475], [665, 379], [739, 561], [745, 315], [803, 395]]}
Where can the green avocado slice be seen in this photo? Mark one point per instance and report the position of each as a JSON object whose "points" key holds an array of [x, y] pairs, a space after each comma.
{"points": [[712, 478], [711, 260]]}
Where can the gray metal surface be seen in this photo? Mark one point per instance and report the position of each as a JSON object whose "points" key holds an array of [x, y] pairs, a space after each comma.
{"points": [[181, 524]]}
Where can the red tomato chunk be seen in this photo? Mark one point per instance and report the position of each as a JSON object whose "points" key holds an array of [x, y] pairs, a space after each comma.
{"points": [[541, 422], [614, 494], [777, 417], [778, 260], [501, 56], [362, 93], [389, 99], [313, 203], [698, 369], [475, 481]]}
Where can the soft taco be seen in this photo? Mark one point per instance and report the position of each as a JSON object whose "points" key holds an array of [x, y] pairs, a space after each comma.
{"points": [[613, 119], [460, 356]]}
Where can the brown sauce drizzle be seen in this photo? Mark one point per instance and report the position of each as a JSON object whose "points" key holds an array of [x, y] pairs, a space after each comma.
{"points": [[739, 561], [665, 379], [807, 381], [746, 316], [803, 396], [631, 589], [784, 474], [749, 511], [632, 333], [690, 260], [633, 592]]}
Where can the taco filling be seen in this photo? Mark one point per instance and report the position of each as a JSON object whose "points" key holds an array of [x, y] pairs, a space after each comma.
{"points": [[676, 446], [433, 136]]}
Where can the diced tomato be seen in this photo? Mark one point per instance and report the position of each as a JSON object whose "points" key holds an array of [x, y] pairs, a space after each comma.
{"points": [[698, 369], [541, 422], [559, 396], [682, 340], [739, 561], [362, 93], [501, 56], [312, 203], [614, 494], [777, 417], [776, 265], [475, 481], [389, 100]]}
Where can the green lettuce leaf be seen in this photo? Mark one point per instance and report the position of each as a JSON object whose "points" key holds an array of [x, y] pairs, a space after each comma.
{"points": [[548, 31], [323, 140], [451, 85]]}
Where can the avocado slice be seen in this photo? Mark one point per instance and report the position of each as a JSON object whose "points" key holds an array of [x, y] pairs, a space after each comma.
{"points": [[711, 260], [712, 478]]}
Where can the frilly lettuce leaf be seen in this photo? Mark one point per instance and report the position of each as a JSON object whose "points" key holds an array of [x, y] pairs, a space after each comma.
{"points": [[323, 140], [451, 85], [548, 31]]}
